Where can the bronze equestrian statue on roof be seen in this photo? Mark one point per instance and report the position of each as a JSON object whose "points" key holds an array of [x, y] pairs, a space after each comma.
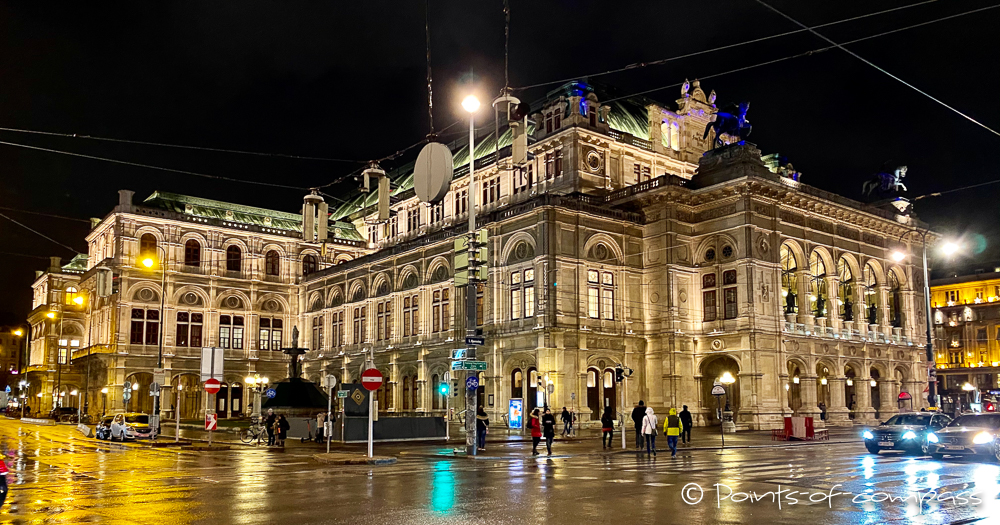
{"points": [[732, 121]]}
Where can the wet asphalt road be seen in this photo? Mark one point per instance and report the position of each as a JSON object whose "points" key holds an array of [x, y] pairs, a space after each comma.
{"points": [[58, 476]]}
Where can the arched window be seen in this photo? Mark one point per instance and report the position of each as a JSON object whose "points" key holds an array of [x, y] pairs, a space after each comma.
{"points": [[675, 136], [817, 269], [192, 253], [272, 263], [665, 133], [71, 295], [789, 287], [871, 294], [516, 384], [895, 300], [845, 290], [308, 264], [406, 393], [436, 402], [234, 258], [147, 245]]}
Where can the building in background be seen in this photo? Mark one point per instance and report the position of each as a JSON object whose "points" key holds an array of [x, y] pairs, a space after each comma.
{"points": [[966, 306], [621, 239]]}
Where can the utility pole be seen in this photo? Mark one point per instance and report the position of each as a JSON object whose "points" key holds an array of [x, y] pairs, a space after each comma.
{"points": [[470, 288]]}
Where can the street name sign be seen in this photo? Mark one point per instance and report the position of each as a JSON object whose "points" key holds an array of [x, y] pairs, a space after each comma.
{"points": [[342, 394], [718, 390], [468, 365], [475, 341]]}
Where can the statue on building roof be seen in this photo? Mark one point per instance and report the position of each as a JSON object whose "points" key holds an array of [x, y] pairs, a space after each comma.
{"points": [[885, 185], [732, 121], [685, 87]]}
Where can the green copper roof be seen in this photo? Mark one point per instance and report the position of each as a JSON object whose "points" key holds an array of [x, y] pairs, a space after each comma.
{"points": [[626, 115], [77, 264], [212, 209]]}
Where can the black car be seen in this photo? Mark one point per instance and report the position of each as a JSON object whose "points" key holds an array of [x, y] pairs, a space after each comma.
{"points": [[63, 414], [967, 435], [907, 432]]}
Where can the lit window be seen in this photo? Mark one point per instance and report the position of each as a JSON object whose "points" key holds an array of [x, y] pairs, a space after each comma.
{"points": [[600, 295]]}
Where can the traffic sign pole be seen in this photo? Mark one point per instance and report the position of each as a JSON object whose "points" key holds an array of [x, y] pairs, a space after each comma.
{"points": [[371, 379]]}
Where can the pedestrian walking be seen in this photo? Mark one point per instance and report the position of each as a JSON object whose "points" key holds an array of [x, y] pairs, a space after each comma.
{"points": [[535, 425], [567, 421], [482, 427], [686, 424], [549, 429], [649, 424], [572, 421], [320, 421], [607, 427], [269, 426], [282, 429], [822, 411], [638, 413], [672, 428]]}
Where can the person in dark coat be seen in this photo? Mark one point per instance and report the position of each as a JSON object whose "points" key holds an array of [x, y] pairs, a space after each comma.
{"points": [[638, 413], [269, 426], [549, 429], [536, 431], [607, 427], [482, 427], [283, 427], [567, 421], [688, 423]]}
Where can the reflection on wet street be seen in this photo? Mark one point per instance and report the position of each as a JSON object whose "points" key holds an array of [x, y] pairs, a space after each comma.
{"points": [[59, 476]]}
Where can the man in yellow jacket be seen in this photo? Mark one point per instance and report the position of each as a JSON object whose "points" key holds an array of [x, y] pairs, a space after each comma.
{"points": [[672, 427]]}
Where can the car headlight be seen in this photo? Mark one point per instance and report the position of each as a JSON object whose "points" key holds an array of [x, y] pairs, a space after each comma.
{"points": [[909, 435], [983, 438], [932, 438], [867, 435]]}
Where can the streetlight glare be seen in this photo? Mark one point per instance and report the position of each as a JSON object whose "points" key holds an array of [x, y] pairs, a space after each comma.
{"points": [[104, 390], [78, 300], [73, 393], [470, 104], [949, 248], [148, 262], [19, 332], [898, 256], [727, 379], [51, 315]]}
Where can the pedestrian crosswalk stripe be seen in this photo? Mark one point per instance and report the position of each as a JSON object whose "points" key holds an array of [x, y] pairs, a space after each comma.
{"points": [[659, 484]]}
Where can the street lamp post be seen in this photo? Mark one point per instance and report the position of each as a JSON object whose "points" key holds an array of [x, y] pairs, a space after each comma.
{"points": [[728, 425], [471, 105], [148, 263], [257, 386], [898, 256], [104, 395]]}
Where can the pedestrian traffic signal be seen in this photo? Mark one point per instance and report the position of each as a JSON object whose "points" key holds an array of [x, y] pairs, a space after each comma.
{"points": [[443, 389], [619, 374]]}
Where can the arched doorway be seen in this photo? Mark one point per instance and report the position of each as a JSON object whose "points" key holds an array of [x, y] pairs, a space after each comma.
{"points": [[610, 391], [593, 394], [517, 384], [712, 369], [823, 394], [794, 387], [531, 391], [140, 401], [222, 400], [850, 392]]}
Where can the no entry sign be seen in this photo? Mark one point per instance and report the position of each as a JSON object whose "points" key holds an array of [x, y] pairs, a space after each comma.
{"points": [[212, 386], [371, 379]]}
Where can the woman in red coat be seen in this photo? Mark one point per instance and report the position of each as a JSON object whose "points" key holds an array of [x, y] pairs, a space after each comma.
{"points": [[536, 432]]}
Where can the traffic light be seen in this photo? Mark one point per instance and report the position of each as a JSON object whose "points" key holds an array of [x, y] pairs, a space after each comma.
{"points": [[443, 388], [619, 374], [454, 388]]}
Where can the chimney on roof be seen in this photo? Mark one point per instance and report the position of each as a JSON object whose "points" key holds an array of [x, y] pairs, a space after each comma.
{"points": [[55, 264], [322, 218], [125, 200]]}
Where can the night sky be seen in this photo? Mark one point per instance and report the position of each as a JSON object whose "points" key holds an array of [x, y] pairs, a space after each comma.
{"points": [[346, 80]]}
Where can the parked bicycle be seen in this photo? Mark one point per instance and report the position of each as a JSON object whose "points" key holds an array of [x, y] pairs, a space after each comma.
{"points": [[254, 434]]}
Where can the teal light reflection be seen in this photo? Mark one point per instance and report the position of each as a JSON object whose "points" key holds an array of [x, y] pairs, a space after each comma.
{"points": [[443, 488]]}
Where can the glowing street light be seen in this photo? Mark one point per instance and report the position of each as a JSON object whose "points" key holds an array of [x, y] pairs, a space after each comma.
{"points": [[968, 387], [18, 332], [148, 262], [470, 104], [727, 379], [949, 248], [51, 315]]}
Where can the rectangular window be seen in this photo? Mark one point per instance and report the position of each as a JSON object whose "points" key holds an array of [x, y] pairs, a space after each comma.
{"points": [[238, 332], [556, 121], [548, 124], [384, 314], [981, 335], [63, 354], [636, 170], [337, 328], [708, 301], [276, 325], [558, 163], [394, 226], [264, 334], [138, 325], [461, 202], [522, 179], [437, 212], [515, 303], [189, 327], [373, 233], [413, 219], [607, 302], [550, 166], [152, 327], [225, 330], [317, 332], [593, 302], [360, 324], [411, 322], [440, 311], [729, 296], [646, 173], [491, 191], [529, 301]]}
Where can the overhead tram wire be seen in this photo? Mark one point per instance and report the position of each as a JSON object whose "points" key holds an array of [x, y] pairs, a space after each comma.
{"points": [[40, 234], [44, 214], [813, 51], [178, 146], [940, 193], [880, 69], [660, 62]]}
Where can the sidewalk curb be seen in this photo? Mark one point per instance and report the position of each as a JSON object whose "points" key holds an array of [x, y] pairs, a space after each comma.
{"points": [[617, 452], [345, 459]]}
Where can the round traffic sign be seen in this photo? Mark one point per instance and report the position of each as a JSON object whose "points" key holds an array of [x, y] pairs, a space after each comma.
{"points": [[212, 386], [270, 393], [371, 379], [471, 383]]}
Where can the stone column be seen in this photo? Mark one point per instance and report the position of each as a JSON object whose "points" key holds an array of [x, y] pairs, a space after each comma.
{"points": [[837, 412], [889, 392], [804, 303], [864, 413], [808, 391]]}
